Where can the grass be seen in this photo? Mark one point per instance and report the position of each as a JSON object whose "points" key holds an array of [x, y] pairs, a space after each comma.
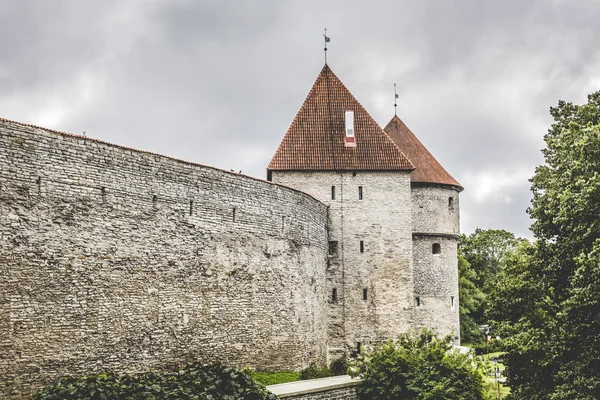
{"points": [[275, 377], [490, 380]]}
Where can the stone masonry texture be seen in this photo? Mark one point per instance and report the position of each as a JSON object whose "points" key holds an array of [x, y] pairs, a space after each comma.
{"points": [[384, 268], [348, 393], [113, 259], [436, 221]]}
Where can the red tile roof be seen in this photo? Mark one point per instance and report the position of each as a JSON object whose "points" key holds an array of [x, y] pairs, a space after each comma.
{"points": [[315, 139], [427, 168]]}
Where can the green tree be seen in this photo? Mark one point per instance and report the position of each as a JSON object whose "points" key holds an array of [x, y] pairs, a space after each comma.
{"points": [[471, 300], [484, 252], [419, 366], [548, 298]]}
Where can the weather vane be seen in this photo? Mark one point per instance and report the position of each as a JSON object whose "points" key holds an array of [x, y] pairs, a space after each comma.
{"points": [[327, 40], [395, 101]]}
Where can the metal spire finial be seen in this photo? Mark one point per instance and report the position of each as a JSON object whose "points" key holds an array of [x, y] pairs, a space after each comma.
{"points": [[395, 102], [327, 40]]}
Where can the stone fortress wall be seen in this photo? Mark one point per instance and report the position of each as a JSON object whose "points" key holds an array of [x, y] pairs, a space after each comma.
{"points": [[436, 223], [116, 259]]}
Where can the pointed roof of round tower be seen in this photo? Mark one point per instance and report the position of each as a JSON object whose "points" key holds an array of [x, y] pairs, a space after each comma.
{"points": [[427, 168], [316, 140]]}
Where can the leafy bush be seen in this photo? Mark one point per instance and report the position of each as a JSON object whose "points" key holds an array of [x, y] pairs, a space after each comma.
{"points": [[275, 377], [314, 371], [194, 381], [419, 366], [339, 366], [493, 346]]}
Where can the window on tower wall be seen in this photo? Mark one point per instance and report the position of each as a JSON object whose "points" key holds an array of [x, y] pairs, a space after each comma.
{"points": [[450, 204], [334, 294], [333, 248], [436, 248], [362, 246], [360, 193], [333, 193]]}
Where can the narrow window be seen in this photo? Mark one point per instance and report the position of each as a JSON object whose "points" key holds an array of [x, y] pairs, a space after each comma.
{"points": [[362, 246], [334, 294], [333, 247], [417, 301], [450, 204], [234, 209], [360, 193], [452, 301], [333, 193], [103, 190], [191, 206], [358, 347], [154, 199], [364, 293], [436, 248]]}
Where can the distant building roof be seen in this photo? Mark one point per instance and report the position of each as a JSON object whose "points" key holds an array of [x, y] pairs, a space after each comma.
{"points": [[316, 139], [427, 168]]}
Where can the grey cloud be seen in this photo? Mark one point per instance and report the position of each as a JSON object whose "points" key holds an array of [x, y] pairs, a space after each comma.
{"points": [[220, 82]]}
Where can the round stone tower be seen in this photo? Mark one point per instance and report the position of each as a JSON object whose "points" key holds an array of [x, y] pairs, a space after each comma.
{"points": [[435, 216]]}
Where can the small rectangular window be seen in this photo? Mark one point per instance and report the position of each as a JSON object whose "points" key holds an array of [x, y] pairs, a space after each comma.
{"points": [[333, 193], [333, 248], [364, 294], [362, 246], [417, 301], [358, 347], [334, 294], [452, 301], [360, 193]]}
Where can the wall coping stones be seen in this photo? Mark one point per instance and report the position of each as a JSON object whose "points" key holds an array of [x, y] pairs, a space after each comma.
{"points": [[29, 127], [291, 389]]}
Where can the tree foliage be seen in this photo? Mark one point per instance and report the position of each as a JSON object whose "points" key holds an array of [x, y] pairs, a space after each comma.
{"points": [[194, 381], [548, 297], [419, 366], [471, 301], [482, 255]]}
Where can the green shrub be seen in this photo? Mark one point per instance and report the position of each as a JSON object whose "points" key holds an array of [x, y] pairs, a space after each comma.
{"points": [[339, 366], [419, 366], [492, 346], [194, 381], [314, 371]]}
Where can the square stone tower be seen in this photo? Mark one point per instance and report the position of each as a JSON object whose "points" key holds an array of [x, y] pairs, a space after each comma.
{"points": [[336, 152]]}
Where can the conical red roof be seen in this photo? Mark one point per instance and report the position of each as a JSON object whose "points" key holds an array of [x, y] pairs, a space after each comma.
{"points": [[315, 139], [427, 168]]}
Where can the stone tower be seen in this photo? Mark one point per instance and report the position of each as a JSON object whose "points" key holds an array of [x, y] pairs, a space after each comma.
{"points": [[435, 216], [336, 152]]}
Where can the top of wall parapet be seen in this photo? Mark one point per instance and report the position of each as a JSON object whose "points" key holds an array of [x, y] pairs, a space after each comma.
{"points": [[191, 163], [297, 388]]}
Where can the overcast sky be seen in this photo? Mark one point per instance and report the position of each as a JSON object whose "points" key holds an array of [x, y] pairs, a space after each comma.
{"points": [[219, 82]]}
